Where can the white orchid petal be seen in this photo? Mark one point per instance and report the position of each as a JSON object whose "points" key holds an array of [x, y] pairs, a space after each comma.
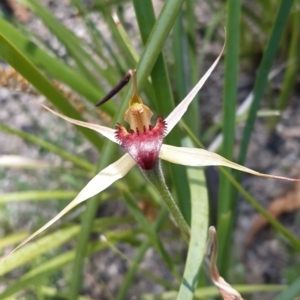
{"points": [[99, 183], [177, 113], [105, 131], [199, 157]]}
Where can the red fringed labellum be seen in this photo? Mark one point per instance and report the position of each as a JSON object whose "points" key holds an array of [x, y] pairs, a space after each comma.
{"points": [[143, 146]]}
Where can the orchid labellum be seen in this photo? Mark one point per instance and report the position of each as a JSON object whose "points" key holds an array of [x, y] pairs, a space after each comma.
{"points": [[144, 146]]}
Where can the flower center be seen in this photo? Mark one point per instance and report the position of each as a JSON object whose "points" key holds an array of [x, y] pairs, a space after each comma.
{"points": [[144, 141]]}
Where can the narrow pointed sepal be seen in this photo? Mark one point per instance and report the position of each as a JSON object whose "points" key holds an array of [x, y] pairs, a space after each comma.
{"points": [[105, 131], [177, 113], [199, 157], [96, 185]]}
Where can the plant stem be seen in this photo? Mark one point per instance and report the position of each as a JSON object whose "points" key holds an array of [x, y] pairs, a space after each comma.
{"points": [[156, 178]]}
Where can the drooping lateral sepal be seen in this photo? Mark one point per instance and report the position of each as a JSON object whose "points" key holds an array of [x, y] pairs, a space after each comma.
{"points": [[143, 146]]}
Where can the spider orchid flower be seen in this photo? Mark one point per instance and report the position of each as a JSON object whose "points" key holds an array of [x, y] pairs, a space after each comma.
{"points": [[143, 145]]}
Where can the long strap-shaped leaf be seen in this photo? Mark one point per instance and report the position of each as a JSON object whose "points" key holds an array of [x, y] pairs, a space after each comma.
{"points": [[199, 225], [20, 63], [53, 66]]}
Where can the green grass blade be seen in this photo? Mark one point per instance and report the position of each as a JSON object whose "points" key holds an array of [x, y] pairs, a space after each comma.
{"points": [[149, 230], [53, 66], [130, 60], [212, 291], [292, 239], [259, 87], [37, 196], [66, 37], [20, 63], [58, 262], [262, 75], [199, 227], [225, 204], [129, 277], [38, 247], [48, 146], [53, 293], [291, 292], [12, 239], [179, 52], [289, 236], [291, 72]]}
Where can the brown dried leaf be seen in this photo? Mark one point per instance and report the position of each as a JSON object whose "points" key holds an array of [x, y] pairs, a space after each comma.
{"points": [[288, 203], [20, 12], [225, 289]]}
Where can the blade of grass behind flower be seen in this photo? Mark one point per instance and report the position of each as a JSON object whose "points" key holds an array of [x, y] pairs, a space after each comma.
{"points": [[12, 239], [199, 225], [262, 75], [289, 236], [183, 72], [164, 102], [38, 247], [233, 8], [129, 277], [292, 239], [149, 230], [291, 292], [54, 67], [130, 60], [260, 85], [154, 46], [191, 21], [109, 72], [48, 146], [203, 293], [37, 196], [74, 45], [291, 72], [58, 262], [52, 293], [20, 63]]}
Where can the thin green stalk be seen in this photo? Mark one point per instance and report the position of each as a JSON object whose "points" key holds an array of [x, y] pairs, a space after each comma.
{"points": [[225, 205], [156, 178]]}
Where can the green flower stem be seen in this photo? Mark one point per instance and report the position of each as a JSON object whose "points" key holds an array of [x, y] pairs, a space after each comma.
{"points": [[156, 178]]}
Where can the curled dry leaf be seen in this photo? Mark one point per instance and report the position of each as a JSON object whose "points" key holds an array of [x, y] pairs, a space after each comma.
{"points": [[225, 289], [288, 203]]}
